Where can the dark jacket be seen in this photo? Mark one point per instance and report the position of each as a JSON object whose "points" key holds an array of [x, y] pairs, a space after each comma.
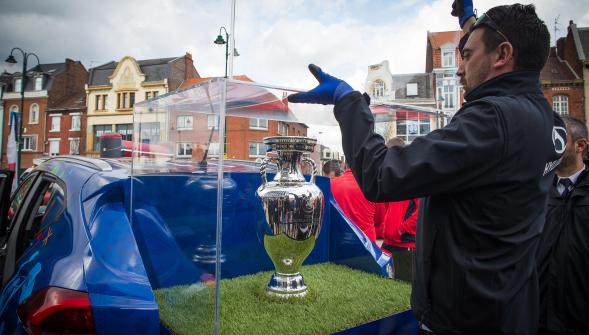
{"points": [[485, 177], [563, 261]]}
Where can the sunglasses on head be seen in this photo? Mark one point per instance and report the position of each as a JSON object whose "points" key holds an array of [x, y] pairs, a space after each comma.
{"points": [[486, 21]]}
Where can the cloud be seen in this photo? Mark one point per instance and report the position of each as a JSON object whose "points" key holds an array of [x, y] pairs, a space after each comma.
{"points": [[276, 39]]}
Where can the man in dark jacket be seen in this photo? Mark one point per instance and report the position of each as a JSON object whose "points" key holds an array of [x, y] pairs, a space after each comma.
{"points": [[563, 258], [485, 179]]}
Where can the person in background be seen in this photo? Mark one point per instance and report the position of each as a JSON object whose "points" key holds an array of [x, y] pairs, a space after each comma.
{"points": [[400, 219], [563, 256], [483, 179], [332, 169], [357, 208]]}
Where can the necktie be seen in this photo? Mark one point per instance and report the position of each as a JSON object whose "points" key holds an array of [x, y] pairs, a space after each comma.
{"points": [[568, 185]]}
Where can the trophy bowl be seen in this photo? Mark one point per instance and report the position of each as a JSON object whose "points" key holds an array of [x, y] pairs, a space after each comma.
{"points": [[293, 209]]}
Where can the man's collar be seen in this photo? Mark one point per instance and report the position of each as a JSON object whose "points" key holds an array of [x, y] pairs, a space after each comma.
{"points": [[515, 82]]}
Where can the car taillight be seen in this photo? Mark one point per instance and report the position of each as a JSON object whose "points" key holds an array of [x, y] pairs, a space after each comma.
{"points": [[55, 310]]}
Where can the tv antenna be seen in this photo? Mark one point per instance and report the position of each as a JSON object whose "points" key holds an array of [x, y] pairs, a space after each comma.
{"points": [[556, 24]]}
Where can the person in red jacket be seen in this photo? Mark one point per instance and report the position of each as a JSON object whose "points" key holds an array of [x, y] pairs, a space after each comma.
{"points": [[349, 197], [400, 223], [400, 219]]}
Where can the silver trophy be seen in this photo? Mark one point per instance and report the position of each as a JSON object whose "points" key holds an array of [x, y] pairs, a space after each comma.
{"points": [[294, 211]]}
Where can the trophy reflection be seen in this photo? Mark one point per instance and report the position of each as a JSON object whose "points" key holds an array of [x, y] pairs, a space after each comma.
{"points": [[293, 209]]}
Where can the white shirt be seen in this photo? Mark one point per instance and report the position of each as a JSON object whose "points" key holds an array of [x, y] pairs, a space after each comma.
{"points": [[573, 178]]}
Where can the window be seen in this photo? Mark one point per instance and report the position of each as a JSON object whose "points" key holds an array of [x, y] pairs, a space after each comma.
{"points": [[53, 147], [29, 143], [184, 149], [55, 123], [101, 102], [282, 128], [257, 149], [34, 114], [212, 121], [18, 199], [125, 100], [213, 149], [378, 89], [260, 124], [408, 130], [126, 131], [448, 58], [412, 89], [184, 122], [560, 103], [74, 146], [448, 96], [18, 85], [149, 132], [150, 94], [99, 130], [38, 83], [46, 206], [75, 122]]}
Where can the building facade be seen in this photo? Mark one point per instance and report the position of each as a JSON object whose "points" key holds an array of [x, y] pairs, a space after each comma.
{"points": [[244, 136], [114, 88], [403, 104], [442, 61], [47, 86], [573, 51], [562, 87]]}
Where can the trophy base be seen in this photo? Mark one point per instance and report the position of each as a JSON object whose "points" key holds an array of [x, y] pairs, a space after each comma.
{"points": [[287, 286]]}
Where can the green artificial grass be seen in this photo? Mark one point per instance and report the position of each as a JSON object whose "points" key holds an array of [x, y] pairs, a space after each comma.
{"points": [[287, 254], [339, 298]]}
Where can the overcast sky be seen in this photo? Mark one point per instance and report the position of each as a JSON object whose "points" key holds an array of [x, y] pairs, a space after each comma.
{"points": [[276, 39]]}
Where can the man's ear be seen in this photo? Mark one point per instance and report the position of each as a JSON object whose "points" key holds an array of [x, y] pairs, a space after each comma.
{"points": [[581, 145], [504, 55]]}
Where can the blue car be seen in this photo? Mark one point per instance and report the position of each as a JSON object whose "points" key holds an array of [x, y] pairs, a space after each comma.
{"points": [[84, 244]]}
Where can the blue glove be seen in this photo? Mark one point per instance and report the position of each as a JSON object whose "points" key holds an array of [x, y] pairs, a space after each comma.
{"points": [[463, 9], [329, 91]]}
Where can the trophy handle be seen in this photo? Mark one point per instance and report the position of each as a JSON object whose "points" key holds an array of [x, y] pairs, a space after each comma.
{"points": [[313, 166], [263, 167]]}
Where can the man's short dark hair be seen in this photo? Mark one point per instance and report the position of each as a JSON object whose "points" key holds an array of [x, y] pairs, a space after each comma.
{"points": [[332, 166], [396, 142], [575, 128], [527, 34]]}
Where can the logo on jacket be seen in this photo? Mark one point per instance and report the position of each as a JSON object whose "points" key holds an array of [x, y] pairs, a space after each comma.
{"points": [[559, 135], [559, 138]]}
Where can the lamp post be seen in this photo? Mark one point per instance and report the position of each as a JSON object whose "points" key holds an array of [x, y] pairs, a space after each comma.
{"points": [[12, 60], [220, 41]]}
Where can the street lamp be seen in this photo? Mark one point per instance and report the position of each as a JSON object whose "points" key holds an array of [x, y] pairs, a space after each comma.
{"points": [[12, 60], [220, 41]]}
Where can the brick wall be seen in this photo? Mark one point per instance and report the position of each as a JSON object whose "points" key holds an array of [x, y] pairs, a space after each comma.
{"points": [[575, 98], [65, 132], [37, 129], [68, 82]]}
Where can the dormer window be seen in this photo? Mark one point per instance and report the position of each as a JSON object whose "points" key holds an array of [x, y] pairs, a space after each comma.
{"points": [[448, 58], [17, 85], [38, 83], [378, 89]]}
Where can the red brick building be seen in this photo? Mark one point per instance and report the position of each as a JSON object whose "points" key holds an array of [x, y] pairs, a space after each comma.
{"points": [[47, 86], [562, 87], [573, 51], [443, 59], [244, 135]]}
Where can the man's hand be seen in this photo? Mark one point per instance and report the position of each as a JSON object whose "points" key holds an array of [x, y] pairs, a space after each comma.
{"points": [[463, 9], [329, 91]]}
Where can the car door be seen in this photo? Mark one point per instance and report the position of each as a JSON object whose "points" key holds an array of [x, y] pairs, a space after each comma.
{"points": [[10, 207], [36, 205]]}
